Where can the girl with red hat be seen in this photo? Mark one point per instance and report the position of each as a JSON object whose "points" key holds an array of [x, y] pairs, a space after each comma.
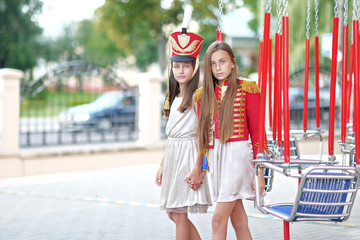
{"points": [[181, 151]]}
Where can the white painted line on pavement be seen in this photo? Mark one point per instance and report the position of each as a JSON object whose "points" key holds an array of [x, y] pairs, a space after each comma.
{"points": [[150, 205]]}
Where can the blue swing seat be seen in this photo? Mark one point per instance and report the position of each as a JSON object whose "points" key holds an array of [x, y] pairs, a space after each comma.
{"points": [[325, 193]]}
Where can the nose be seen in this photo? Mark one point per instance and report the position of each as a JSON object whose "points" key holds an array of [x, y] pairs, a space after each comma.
{"points": [[217, 66]]}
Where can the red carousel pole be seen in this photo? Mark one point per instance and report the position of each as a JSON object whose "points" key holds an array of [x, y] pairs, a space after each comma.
{"points": [[263, 83], [307, 58], [261, 45], [349, 83], [317, 69], [219, 35], [356, 89], [286, 109], [344, 102], [306, 84], [270, 82], [333, 85], [280, 120], [286, 89], [276, 85], [317, 87]]}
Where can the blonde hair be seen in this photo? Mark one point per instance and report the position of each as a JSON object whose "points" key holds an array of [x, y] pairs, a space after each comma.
{"points": [[209, 105]]}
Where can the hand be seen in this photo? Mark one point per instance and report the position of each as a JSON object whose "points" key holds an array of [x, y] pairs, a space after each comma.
{"points": [[195, 179], [158, 178]]}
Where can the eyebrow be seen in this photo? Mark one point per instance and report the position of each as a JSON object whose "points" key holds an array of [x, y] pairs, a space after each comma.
{"points": [[218, 59]]}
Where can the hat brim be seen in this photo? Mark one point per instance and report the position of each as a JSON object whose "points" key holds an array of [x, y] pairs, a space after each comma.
{"points": [[182, 59]]}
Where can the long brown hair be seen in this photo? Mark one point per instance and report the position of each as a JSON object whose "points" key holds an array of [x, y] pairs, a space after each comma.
{"points": [[174, 90], [209, 106]]}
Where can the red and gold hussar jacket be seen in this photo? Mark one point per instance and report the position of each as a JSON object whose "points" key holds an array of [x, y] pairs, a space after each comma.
{"points": [[246, 114]]}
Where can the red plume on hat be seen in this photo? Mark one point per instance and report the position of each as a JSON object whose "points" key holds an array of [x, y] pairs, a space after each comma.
{"points": [[185, 46]]}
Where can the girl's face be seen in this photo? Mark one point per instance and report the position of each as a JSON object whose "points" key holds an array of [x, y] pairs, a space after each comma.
{"points": [[221, 64], [182, 71]]}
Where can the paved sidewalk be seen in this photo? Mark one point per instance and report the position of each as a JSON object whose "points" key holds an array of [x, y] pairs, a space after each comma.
{"points": [[122, 203]]}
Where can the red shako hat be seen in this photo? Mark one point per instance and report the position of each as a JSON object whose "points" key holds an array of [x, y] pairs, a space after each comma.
{"points": [[185, 46]]}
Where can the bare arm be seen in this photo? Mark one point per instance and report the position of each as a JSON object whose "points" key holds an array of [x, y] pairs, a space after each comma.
{"points": [[261, 181], [159, 174], [195, 177]]}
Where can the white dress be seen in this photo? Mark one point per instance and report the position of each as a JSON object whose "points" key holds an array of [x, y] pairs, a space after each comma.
{"points": [[231, 171], [179, 159]]}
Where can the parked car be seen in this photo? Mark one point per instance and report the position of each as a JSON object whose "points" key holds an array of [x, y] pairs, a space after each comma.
{"points": [[296, 102], [115, 108]]}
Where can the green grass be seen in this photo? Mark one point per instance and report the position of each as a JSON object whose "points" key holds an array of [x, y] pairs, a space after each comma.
{"points": [[50, 104]]}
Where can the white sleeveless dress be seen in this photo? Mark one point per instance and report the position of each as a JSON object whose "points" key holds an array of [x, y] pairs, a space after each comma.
{"points": [[179, 159]]}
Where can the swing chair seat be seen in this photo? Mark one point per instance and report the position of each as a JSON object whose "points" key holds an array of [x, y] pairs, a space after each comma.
{"points": [[274, 151], [325, 193]]}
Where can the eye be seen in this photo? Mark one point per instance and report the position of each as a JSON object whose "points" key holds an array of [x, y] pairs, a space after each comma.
{"points": [[212, 64], [176, 66], [222, 61]]}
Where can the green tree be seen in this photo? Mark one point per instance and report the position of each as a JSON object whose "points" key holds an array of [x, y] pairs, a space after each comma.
{"points": [[141, 28], [61, 48], [96, 45], [19, 33]]}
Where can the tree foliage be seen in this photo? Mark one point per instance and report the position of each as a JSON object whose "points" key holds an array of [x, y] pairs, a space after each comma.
{"points": [[61, 48], [19, 33], [141, 28], [96, 45]]}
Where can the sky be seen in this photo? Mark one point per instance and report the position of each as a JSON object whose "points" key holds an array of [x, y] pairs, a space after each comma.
{"points": [[57, 13]]}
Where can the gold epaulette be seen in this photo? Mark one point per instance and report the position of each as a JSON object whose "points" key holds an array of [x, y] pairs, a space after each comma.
{"points": [[197, 96], [250, 86]]}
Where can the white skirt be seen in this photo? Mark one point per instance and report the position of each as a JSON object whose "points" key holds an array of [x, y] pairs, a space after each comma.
{"points": [[176, 195], [231, 171]]}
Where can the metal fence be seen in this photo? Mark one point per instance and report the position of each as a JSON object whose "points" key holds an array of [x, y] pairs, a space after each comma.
{"points": [[77, 103], [81, 103]]}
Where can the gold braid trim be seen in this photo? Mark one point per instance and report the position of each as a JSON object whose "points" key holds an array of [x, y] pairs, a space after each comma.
{"points": [[266, 146], [250, 86], [198, 93]]}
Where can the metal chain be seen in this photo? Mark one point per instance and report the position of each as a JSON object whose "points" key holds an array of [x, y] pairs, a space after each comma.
{"points": [[336, 8], [268, 9], [353, 18], [262, 19], [346, 9], [220, 16], [308, 19], [316, 17], [356, 13], [268, 6], [285, 8], [279, 15]]}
